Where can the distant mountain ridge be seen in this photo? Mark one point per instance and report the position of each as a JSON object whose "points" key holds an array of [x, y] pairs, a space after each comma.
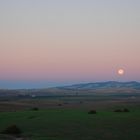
{"points": [[104, 85], [99, 88]]}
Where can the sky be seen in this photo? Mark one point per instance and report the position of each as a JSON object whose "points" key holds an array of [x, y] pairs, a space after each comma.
{"points": [[46, 43]]}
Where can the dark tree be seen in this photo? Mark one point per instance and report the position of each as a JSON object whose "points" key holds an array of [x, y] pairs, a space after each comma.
{"points": [[12, 130]]}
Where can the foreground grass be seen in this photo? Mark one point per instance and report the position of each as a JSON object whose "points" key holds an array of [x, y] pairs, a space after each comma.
{"points": [[63, 124]]}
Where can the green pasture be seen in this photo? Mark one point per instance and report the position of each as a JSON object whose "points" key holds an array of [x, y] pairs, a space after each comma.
{"points": [[68, 124]]}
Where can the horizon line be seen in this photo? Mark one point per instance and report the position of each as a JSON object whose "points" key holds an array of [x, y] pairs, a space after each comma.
{"points": [[64, 85]]}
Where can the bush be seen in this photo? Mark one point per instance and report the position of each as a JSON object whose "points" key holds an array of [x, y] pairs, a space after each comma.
{"points": [[12, 130], [59, 104], [125, 110], [92, 112], [34, 109], [118, 110]]}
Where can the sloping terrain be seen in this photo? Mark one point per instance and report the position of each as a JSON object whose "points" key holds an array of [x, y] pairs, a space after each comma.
{"points": [[111, 87]]}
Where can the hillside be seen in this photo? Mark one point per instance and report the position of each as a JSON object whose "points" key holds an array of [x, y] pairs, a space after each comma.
{"points": [[78, 89]]}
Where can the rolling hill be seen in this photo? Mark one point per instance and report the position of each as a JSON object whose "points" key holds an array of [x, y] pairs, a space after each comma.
{"points": [[109, 87]]}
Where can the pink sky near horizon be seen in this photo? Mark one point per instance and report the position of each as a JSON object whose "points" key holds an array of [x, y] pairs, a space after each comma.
{"points": [[41, 59]]}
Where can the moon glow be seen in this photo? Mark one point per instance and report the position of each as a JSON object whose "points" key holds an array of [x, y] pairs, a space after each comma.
{"points": [[120, 71]]}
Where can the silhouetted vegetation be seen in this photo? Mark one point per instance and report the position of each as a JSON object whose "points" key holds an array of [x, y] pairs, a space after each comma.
{"points": [[92, 112], [81, 102], [59, 104], [12, 130], [122, 110], [118, 110], [126, 110], [35, 109]]}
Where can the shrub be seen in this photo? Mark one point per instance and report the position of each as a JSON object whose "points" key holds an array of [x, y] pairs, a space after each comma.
{"points": [[81, 102], [59, 104], [118, 110], [12, 130], [125, 110], [92, 112], [34, 109]]}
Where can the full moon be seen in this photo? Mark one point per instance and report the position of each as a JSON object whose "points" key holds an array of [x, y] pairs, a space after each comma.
{"points": [[120, 71]]}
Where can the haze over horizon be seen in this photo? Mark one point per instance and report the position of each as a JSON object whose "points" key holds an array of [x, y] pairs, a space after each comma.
{"points": [[45, 43]]}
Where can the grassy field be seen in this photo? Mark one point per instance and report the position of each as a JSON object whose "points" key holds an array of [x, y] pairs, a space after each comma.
{"points": [[75, 124]]}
